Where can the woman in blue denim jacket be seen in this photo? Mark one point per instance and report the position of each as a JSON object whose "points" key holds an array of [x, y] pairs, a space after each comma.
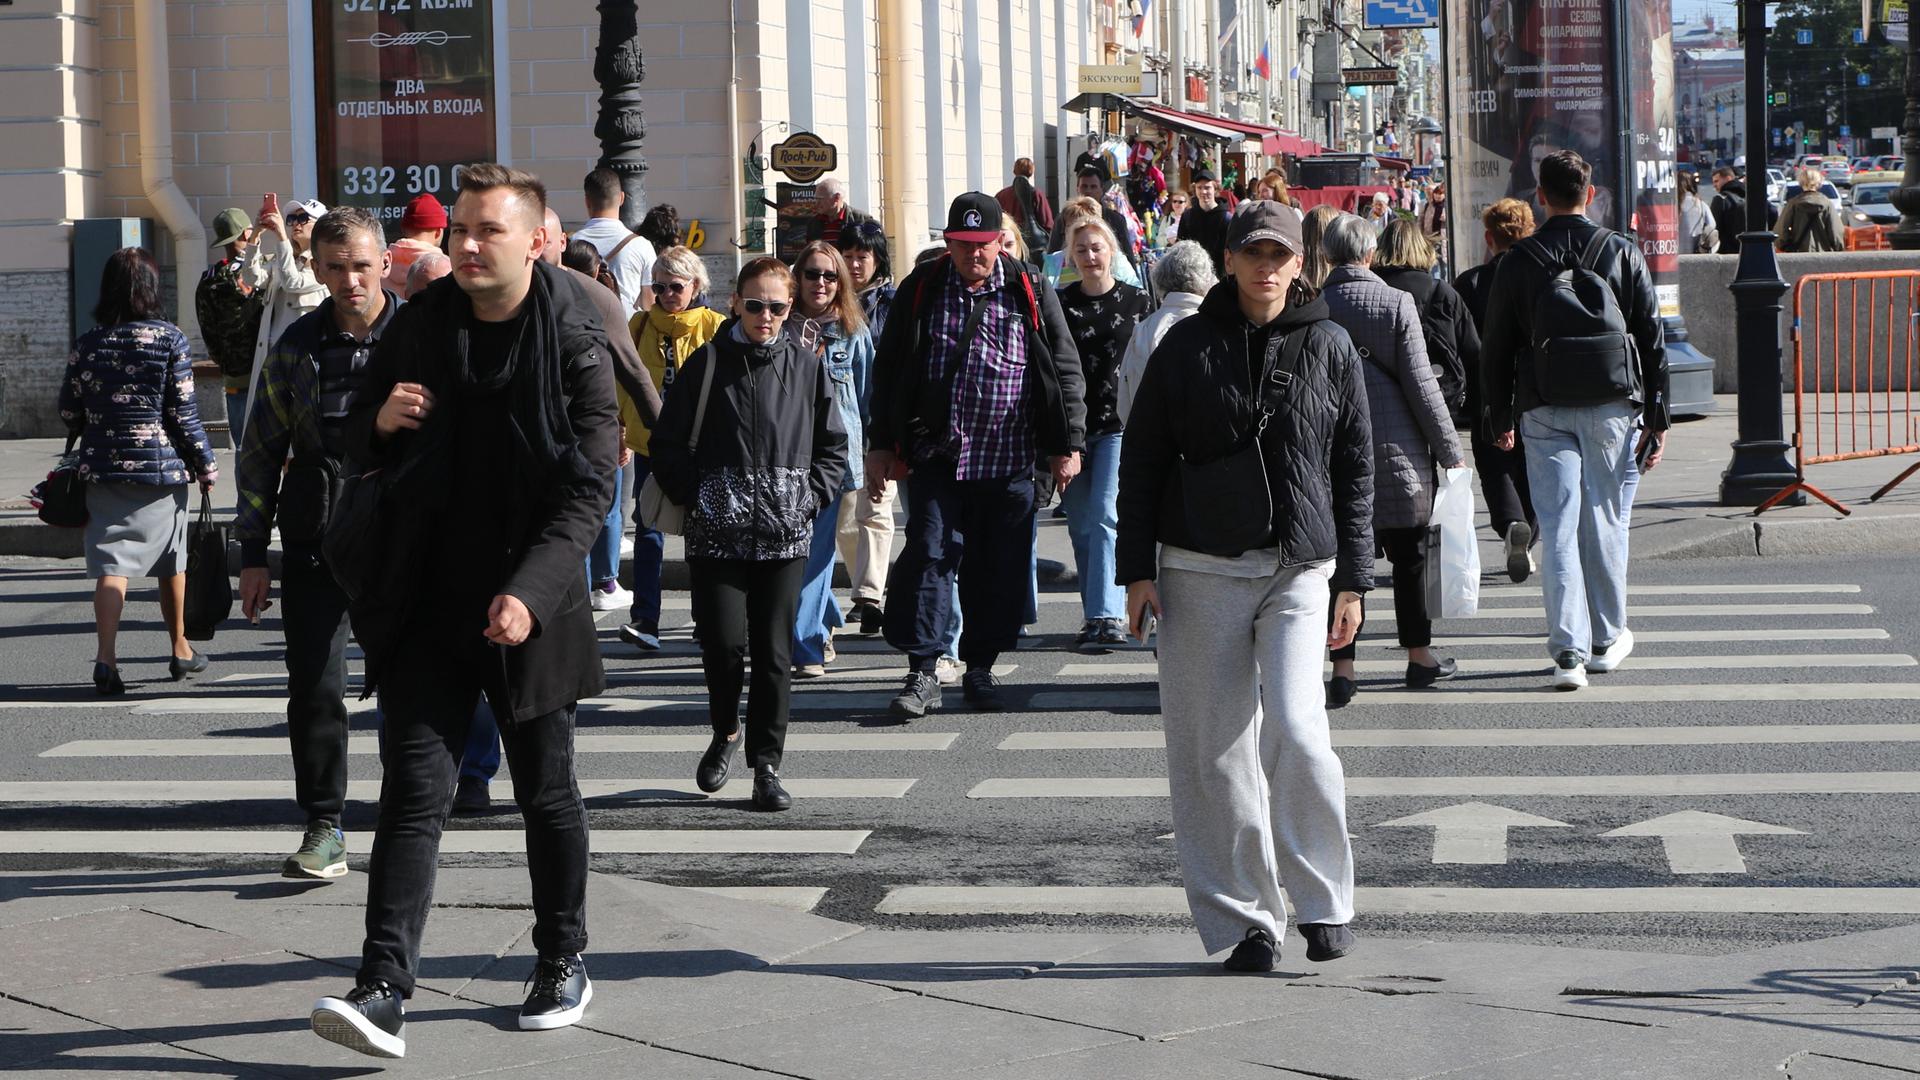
{"points": [[128, 398], [828, 319]]}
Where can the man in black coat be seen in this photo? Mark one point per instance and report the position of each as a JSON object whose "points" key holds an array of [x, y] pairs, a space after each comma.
{"points": [[1729, 209], [489, 409], [1205, 222], [1090, 182]]}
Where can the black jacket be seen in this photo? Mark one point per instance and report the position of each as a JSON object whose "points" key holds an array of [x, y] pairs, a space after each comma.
{"points": [[1729, 210], [771, 454], [565, 431], [1054, 381], [1208, 228], [1506, 347], [1453, 340], [1196, 402], [1475, 286]]}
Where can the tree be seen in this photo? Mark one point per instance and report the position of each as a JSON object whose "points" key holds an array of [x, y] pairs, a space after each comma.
{"points": [[1821, 79]]}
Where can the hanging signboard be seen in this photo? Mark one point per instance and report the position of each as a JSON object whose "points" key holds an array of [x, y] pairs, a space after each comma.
{"points": [[803, 157], [1370, 76], [406, 99], [1110, 79], [1400, 14]]}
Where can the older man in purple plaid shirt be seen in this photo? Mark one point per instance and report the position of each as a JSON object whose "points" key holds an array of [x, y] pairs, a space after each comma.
{"points": [[977, 390]]}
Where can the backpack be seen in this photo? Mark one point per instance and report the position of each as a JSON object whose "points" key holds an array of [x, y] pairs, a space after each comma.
{"points": [[1810, 224], [1582, 351], [1443, 353]]}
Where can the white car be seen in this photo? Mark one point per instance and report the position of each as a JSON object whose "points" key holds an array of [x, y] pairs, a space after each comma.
{"points": [[1872, 205], [1776, 186]]}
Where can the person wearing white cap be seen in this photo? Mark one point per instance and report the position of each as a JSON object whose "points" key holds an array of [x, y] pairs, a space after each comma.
{"points": [[282, 264]]}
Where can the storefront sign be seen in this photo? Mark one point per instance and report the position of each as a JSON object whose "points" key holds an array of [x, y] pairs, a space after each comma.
{"points": [[803, 157], [406, 97], [1110, 79], [1370, 76]]}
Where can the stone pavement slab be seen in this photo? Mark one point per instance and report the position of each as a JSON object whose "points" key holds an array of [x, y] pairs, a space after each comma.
{"points": [[1130, 1061], [1846, 970], [39, 1041], [44, 954]]}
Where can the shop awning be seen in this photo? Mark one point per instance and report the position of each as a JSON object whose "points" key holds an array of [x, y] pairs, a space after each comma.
{"points": [[1283, 142], [1206, 127], [1085, 103]]}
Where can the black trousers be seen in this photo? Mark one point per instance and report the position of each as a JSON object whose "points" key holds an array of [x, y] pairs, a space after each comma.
{"points": [[1503, 482], [979, 529], [1406, 550], [313, 616], [744, 608], [428, 697]]}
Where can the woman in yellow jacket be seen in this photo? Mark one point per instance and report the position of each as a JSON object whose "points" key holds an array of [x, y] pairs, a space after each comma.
{"points": [[667, 335]]}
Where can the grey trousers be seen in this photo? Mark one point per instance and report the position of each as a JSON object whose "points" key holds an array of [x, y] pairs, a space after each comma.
{"points": [[1259, 797]]}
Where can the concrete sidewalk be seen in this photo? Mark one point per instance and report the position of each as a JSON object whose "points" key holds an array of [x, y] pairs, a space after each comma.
{"points": [[175, 972]]}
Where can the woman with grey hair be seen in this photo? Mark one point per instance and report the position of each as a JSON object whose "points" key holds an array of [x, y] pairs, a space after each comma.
{"points": [[1181, 279], [1411, 431]]}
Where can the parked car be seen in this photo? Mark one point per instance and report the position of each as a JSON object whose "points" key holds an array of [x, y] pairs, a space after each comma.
{"points": [[1837, 171], [1871, 205], [1776, 185], [1889, 168]]}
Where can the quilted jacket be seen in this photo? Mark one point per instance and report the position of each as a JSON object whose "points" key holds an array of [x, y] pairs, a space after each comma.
{"points": [[128, 394], [1196, 403], [1410, 422]]}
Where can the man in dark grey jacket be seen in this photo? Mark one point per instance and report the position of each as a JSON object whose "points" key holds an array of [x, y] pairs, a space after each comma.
{"points": [[1578, 455]]}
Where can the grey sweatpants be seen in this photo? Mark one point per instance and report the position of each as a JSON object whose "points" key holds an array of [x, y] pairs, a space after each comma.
{"points": [[1259, 798]]}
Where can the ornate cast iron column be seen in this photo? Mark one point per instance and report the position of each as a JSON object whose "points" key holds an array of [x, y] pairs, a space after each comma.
{"points": [[622, 127]]}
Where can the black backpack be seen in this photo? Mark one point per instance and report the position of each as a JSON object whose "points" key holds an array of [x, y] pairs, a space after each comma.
{"points": [[1443, 353], [1582, 351]]}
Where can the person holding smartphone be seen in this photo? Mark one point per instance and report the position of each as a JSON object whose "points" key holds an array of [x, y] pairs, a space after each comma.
{"points": [[280, 267]]}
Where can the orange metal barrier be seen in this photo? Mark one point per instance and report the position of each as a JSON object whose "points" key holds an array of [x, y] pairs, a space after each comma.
{"points": [[1870, 238], [1854, 358]]}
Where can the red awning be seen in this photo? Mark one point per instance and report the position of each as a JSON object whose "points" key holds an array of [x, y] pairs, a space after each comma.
{"points": [[1283, 142], [1238, 129]]}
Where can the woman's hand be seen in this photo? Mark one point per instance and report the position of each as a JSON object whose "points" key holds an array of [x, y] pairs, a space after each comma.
{"points": [[1346, 620], [209, 478], [1143, 602]]}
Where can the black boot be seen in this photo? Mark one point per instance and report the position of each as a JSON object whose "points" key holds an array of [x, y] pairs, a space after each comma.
{"points": [[711, 776], [768, 792]]}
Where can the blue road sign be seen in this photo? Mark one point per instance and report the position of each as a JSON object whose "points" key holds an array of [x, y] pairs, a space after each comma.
{"points": [[1803, 37], [1401, 14], [1865, 79], [1845, 130], [1859, 36]]}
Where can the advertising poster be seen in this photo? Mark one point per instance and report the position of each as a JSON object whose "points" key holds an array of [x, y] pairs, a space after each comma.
{"points": [[405, 97]]}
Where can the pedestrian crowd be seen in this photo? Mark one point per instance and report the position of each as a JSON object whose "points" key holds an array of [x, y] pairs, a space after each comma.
{"points": [[444, 433]]}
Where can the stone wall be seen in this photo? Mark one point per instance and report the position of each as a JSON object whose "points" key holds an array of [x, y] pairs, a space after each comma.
{"points": [[33, 350]]}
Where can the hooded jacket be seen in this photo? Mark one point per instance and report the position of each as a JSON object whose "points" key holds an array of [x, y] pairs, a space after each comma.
{"points": [[665, 340], [1196, 401]]}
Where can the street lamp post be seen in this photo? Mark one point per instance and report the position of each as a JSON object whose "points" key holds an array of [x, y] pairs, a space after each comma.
{"points": [[1759, 468], [622, 128], [1906, 236]]}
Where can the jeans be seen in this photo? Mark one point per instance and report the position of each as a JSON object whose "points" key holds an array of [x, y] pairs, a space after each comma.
{"points": [[1407, 550], [1093, 518], [980, 530], [313, 616], [818, 612], [236, 414], [744, 608], [649, 552], [1577, 461], [603, 558], [428, 699], [481, 759]]}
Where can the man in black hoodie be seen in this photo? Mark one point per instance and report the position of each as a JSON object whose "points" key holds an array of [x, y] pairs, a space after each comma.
{"points": [[488, 411], [1205, 222], [1729, 209]]}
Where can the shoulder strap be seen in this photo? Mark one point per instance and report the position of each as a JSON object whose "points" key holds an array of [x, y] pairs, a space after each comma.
{"points": [[1536, 250], [1596, 247], [1282, 363], [621, 246], [700, 405]]}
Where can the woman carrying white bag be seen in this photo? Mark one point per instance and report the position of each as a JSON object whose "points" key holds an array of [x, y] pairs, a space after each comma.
{"points": [[1453, 555], [1412, 431]]}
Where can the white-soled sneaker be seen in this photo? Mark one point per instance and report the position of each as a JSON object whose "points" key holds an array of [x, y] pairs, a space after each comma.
{"points": [[561, 991], [1568, 672], [372, 1019], [1608, 657]]}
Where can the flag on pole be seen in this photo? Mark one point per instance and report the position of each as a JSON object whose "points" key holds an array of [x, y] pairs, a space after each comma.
{"points": [[1140, 17], [1262, 64], [1227, 34]]}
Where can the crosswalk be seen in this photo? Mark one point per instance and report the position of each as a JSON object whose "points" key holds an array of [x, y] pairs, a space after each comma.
{"points": [[1771, 701]]}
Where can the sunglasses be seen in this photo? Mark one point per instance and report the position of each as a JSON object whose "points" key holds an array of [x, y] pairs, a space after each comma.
{"points": [[299, 217], [674, 287], [759, 307], [817, 274]]}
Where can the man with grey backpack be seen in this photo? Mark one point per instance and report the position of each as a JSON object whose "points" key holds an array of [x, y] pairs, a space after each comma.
{"points": [[1574, 353]]}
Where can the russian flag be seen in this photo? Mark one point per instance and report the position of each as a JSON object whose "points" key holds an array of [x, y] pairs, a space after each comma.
{"points": [[1263, 65], [1140, 19]]}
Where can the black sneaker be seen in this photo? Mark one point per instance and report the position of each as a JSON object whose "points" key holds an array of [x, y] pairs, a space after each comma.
{"points": [[372, 1019], [920, 696], [1420, 676], [981, 690], [560, 994], [1089, 634], [870, 617], [471, 797], [1257, 952], [1327, 941], [1518, 542], [1340, 690], [768, 793], [641, 635], [711, 776], [1110, 633]]}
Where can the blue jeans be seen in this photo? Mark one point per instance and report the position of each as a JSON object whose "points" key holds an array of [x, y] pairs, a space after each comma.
{"points": [[818, 613], [236, 415], [482, 757], [1577, 462], [1093, 519], [603, 558], [649, 552]]}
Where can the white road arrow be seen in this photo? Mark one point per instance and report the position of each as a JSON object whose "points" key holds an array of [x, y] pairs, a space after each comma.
{"points": [[1702, 843], [1471, 832]]}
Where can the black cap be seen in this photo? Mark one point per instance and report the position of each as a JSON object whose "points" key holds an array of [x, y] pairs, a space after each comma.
{"points": [[974, 218], [1264, 219], [1203, 174]]}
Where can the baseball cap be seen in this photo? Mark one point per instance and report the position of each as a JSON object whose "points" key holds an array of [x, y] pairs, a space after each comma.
{"points": [[313, 208], [1201, 174], [424, 212], [228, 224], [973, 218], [1265, 220]]}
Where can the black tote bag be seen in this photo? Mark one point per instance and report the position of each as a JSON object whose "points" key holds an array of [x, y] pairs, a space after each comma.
{"points": [[209, 590]]}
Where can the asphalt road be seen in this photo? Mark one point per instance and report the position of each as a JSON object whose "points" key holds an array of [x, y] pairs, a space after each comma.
{"points": [[1735, 748]]}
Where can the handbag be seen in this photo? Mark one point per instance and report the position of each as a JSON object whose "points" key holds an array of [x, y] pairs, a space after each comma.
{"points": [[657, 512], [1227, 502], [61, 499], [209, 590], [1451, 575]]}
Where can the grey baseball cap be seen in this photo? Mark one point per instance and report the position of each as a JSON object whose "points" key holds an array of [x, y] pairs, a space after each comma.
{"points": [[1264, 219]]}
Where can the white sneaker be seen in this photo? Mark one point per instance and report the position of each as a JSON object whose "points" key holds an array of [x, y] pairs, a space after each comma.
{"points": [[1568, 672], [948, 671], [618, 600], [1614, 656]]}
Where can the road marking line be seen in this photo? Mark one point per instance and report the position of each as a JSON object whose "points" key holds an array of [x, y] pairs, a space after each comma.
{"points": [[1149, 787], [454, 841], [790, 897], [223, 705], [1702, 843], [1705, 735], [203, 791], [1668, 611], [835, 676], [1543, 695], [270, 746], [1167, 900], [1766, 589], [1650, 637], [1472, 832], [1516, 665]]}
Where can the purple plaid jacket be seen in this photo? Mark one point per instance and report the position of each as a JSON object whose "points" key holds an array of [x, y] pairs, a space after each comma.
{"points": [[992, 427]]}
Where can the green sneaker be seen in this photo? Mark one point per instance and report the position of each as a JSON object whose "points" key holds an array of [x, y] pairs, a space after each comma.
{"points": [[322, 854]]}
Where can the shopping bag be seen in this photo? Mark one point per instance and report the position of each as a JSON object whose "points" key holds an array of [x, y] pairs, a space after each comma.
{"points": [[1452, 573], [61, 499], [209, 590]]}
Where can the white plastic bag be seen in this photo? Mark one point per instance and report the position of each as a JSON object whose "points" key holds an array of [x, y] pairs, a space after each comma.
{"points": [[1452, 574]]}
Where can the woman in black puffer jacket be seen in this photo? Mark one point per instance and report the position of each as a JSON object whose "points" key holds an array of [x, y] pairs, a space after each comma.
{"points": [[1258, 795], [769, 455]]}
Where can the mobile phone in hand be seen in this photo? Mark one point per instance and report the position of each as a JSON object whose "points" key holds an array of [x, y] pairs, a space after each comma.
{"points": [[269, 204], [1649, 443]]}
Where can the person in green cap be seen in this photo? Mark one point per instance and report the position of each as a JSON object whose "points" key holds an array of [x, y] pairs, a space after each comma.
{"points": [[221, 301]]}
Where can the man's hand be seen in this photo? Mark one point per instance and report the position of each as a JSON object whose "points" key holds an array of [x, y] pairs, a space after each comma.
{"points": [[1065, 468], [255, 586], [1346, 617], [1504, 441], [508, 621], [1143, 601], [1659, 448], [879, 467], [406, 408]]}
